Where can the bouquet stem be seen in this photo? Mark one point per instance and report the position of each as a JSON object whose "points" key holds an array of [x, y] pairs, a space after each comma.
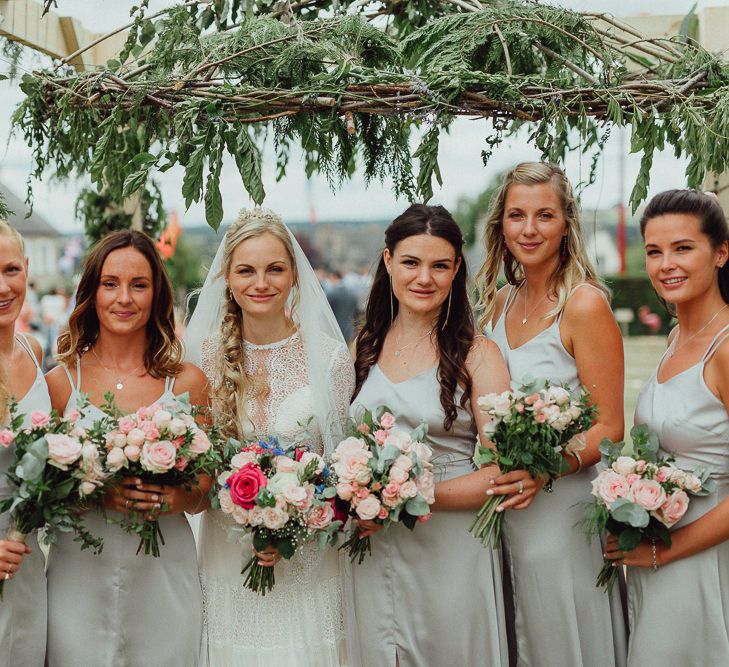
{"points": [[259, 579], [358, 548], [150, 537], [608, 576], [488, 522], [12, 535]]}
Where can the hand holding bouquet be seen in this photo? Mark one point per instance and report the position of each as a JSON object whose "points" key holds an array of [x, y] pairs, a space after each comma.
{"points": [[280, 495], [529, 428], [384, 475], [639, 495], [160, 444], [56, 471]]}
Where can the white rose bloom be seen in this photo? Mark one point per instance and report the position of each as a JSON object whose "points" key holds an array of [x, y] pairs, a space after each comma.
{"points": [[295, 495], [119, 440], [487, 402], [503, 404], [399, 439], [135, 437], [308, 457], [489, 428], [559, 395], [115, 459], [177, 426], [398, 475], [575, 412], [624, 465], [162, 419], [691, 483], [363, 476], [368, 508], [274, 518], [278, 484], [241, 459], [243, 516], [408, 489], [349, 446], [86, 488], [285, 464], [255, 515], [226, 503], [422, 451]]}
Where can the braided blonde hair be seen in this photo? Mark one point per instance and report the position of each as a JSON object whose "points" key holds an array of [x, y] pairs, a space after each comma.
{"points": [[576, 270], [6, 231], [232, 386]]}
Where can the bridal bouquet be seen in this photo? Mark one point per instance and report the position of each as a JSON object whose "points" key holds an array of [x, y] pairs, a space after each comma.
{"points": [[55, 471], [160, 444], [383, 474], [281, 496], [529, 428], [639, 495]]}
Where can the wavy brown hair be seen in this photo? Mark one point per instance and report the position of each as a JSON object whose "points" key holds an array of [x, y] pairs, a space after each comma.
{"points": [[163, 354], [454, 339]]}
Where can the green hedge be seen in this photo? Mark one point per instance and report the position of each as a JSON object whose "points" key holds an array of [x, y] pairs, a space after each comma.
{"points": [[634, 292]]}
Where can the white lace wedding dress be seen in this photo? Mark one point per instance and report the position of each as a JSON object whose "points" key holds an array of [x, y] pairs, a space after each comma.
{"points": [[299, 623]]}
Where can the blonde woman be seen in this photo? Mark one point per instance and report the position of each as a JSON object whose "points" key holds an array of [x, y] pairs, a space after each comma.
{"points": [[553, 321], [23, 607], [279, 366], [140, 610]]}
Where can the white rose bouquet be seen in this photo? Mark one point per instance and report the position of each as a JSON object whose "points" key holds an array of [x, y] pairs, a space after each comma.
{"points": [[529, 429], [281, 496], [639, 495], [56, 471], [383, 474], [160, 443]]}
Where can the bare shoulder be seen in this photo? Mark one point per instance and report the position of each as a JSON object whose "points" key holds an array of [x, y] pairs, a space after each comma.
{"points": [[190, 376], [501, 297], [35, 346], [587, 300], [483, 352], [59, 387]]}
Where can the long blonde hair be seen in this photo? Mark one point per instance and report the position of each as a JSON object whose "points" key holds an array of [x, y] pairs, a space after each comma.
{"points": [[7, 231], [232, 386], [576, 270]]}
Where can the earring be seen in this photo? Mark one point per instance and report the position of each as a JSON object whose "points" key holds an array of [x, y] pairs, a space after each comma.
{"points": [[564, 250], [392, 305], [507, 254], [448, 311]]}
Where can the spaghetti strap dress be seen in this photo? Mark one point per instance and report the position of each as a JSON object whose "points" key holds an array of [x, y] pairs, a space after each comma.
{"points": [[561, 617], [679, 614], [23, 607], [120, 609]]}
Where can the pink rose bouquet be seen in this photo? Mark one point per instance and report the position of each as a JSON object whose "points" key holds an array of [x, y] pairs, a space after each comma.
{"points": [[382, 474], [529, 429], [639, 495], [55, 472], [160, 443], [281, 496]]}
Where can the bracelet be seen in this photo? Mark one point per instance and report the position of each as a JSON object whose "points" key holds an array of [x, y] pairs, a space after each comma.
{"points": [[653, 553], [579, 461]]}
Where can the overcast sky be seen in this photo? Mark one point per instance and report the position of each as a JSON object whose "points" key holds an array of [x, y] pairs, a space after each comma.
{"points": [[460, 153]]}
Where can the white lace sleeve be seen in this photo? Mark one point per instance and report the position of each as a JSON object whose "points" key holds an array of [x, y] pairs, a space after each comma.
{"points": [[341, 377], [209, 350]]}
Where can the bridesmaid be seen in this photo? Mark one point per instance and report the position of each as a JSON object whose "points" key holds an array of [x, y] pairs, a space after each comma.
{"points": [[431, 596], [23, 607], [119, 608], [553, 321], [678, 597]]}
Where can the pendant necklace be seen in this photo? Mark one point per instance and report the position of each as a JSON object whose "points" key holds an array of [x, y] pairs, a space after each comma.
{"points": [[399, 350], [120, 382], [526, 296], [675, 348]]}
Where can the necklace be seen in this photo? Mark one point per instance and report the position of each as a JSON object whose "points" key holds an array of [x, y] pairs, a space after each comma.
{"points": [[399, 350], [526, 297], [120, 382], [675, 348]]}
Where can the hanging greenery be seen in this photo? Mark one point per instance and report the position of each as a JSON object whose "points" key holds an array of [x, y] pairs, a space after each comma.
{"points": [[349, 82]]}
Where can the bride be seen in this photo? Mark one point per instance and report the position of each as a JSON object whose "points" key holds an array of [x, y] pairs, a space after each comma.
{"points": [[266, 338]]}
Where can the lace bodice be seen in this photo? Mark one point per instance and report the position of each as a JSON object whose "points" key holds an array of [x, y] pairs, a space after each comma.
{"points": [[281, 402]]}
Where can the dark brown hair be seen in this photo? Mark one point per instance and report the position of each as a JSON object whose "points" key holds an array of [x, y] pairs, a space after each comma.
{"points": [[454, 340], [706, 209], [163, 355]]}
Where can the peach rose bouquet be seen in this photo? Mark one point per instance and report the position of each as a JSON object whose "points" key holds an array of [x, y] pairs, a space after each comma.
{"points": [[54, 473], [639, 495], [383, 474], [282, 497], [160, 443]]}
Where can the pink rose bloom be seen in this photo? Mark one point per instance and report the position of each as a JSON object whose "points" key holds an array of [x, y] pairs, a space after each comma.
{"points": [[351, 464], [6, 438], [181, 463], [640, 466], [362, 493], [391, 495], [320, 516], [135, 437], [126, 424], [274, 518], [663, 474], [538, 404], [345, 490], [380, 436], [285, 464], [387, 421], [132, 452], [398, 475], [648, 493], [519, 407], [531, 399], [409, 489], [632, 478], [226, 504], [363, 429], [245, 485], [62, 450], [349, 446], [115, 459], [540, 417], [39, 418], [383, 513], [425, 517], [609, 486], [151, 432], [295, 495], [368, 508], [241, 458], [158, 457], [72, 415], [142, 413], [426, 486], [200, 442], [673, 509]]}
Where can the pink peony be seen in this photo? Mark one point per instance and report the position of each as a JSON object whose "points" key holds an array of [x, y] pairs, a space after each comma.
{"points": [[245, 485], [126, 424], [320, 516], [158, 457], [387, 421], [673, 509], [6, 438], [648, 493], [39, 418]]}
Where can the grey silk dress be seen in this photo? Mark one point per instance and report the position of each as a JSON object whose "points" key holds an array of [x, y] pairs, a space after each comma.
{"points": [[561, 617], [431, 596], [120, 609], [679, 614], [23, 607]]}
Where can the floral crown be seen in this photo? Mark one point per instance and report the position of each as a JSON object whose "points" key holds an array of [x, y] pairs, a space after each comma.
{"points": [[259, 214]]}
